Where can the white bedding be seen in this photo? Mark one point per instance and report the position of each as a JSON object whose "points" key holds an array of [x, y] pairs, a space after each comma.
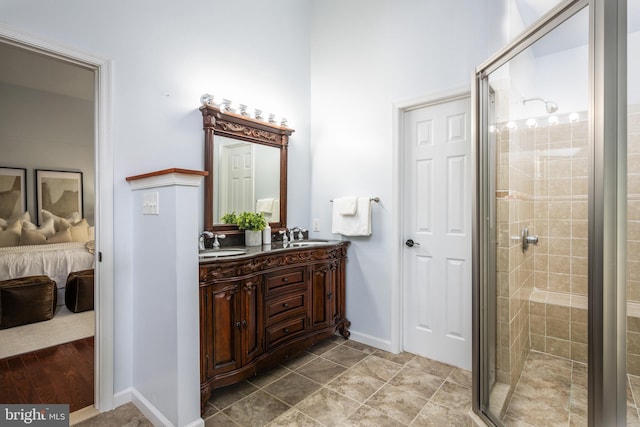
{"points": [[54, 260]]}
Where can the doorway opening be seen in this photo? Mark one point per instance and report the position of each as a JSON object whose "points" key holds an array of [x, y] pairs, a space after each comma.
{"points": [[62, 98]]}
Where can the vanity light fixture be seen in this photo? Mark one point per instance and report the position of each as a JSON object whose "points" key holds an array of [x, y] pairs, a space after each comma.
{"points": [[227, 106], [512, 125], [553, 120], [207, 99], [574, 117], [531, 123]]}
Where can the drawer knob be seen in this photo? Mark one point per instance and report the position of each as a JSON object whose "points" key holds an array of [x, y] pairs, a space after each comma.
{"points": [[285, 305], [284, 279], [285, 330]]}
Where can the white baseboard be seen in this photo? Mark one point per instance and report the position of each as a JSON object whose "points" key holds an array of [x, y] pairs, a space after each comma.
{"points": [[122, 397], [149, 411], [372, 341]]}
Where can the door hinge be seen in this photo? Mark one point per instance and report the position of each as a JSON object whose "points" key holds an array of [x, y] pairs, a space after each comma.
{"points": [[99, 256]]}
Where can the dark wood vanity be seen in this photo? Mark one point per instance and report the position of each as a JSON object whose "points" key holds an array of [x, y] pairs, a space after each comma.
{"points": [[262, 309], [265, 307]]}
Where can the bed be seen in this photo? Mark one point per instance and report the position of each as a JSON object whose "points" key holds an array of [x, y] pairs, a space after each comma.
{"points": [[55, 260], [56, 248]]}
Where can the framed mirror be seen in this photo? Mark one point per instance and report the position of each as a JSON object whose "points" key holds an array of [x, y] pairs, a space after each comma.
{"points": [[247, 164]]}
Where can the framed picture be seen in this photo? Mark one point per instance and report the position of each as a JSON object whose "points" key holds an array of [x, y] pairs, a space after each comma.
{"points": [[58, 192], [13, 192]]}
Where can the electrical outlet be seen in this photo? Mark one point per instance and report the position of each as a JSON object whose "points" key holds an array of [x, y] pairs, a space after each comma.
{"points": [[150, 203], [316, 224]]}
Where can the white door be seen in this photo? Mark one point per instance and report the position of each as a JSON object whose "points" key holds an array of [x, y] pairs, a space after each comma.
{"points": [[437, 206], [236, 179]]}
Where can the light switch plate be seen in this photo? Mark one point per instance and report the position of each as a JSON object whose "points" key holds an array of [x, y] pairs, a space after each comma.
{"points": [[316, 224], [150, 203]]}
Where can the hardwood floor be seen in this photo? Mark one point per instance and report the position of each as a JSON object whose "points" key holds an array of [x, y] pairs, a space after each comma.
{"points": [[59, 374]]}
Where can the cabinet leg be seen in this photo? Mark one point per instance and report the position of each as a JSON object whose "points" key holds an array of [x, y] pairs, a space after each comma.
{"points": [[344, 329], [205, 394]]}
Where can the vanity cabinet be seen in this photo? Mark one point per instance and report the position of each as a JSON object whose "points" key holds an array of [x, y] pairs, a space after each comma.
{"points": [[234, 327], [258, 311]]}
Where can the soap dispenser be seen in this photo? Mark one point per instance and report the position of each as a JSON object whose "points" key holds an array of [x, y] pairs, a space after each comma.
{"points": [[266, 235]]}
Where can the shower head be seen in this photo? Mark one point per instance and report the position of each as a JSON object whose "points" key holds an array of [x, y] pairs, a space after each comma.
{"points": [[550, 106]]}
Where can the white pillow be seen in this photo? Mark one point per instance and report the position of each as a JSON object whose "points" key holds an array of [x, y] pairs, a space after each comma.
{"points": [[60, 222], [11, 236], [80, 231], [47, 228]]}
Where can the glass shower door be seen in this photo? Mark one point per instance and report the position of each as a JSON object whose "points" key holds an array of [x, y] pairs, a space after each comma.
{"points": [[535, 194]]}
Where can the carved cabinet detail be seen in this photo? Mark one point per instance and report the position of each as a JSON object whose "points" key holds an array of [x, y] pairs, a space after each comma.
{"points": [[253, 319]]}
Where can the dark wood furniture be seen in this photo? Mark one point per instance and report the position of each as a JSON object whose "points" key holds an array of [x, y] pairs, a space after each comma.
{"points": [[259, 311], [225, 123]]}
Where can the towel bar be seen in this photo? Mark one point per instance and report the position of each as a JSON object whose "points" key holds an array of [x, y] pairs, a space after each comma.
{"points": [[373, 199]]}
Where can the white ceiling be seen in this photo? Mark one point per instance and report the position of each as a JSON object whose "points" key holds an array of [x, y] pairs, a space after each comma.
{"points": [[34, 70]]}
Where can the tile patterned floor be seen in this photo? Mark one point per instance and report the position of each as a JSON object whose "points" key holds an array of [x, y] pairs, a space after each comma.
{"points": [[126, 415], [552, 391], [344, 383]]}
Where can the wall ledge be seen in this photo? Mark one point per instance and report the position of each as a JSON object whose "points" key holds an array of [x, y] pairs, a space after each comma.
{"points": [[166, 178]]}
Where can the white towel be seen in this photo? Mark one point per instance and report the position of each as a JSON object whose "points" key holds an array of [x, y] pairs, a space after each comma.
{"points": [[265, 205], [274, 216], [346, 205], [353, 225]]}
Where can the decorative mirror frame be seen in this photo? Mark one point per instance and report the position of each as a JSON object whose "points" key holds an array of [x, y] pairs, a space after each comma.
{"points": [[238, 126]]}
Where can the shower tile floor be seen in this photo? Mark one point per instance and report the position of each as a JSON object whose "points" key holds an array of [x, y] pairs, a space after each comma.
{"points": [[552, 391]]}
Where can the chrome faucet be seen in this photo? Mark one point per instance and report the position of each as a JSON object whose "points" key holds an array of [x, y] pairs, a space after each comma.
{"points": [[208, 235], [216, 244], [285, 238], [300, 231]]}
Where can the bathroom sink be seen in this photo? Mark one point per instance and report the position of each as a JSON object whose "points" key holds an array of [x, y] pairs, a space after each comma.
{"points": [[301, 243], [215, 253]]}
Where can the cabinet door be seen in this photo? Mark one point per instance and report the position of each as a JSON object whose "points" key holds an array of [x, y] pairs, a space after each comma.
{"points": [[323, 295], [252, 319], [226, 328]]}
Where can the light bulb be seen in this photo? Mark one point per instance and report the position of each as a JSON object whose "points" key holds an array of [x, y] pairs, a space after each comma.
{"points": [[553, 120], [531, 123], [574, 117]]}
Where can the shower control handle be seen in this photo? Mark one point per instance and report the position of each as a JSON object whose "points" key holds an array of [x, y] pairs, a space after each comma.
{"points": [[527, 240]]}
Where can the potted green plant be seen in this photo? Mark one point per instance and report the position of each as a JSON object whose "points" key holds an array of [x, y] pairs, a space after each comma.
{"points": [[229, 218], [252, 223]]}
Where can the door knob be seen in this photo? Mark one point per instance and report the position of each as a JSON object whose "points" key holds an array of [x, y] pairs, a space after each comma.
{"points": [[410, 243]]}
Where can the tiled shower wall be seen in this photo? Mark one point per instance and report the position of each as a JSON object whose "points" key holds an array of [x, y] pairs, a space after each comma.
{"points": [[514, 210], [558, 309], [633, 241]]}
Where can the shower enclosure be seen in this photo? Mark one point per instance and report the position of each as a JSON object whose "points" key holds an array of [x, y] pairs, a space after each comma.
{"points": [[555, 293]]}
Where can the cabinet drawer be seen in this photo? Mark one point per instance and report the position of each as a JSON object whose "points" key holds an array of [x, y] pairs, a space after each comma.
{"points": [[281, 332], [277, 281], [286, 306]]}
